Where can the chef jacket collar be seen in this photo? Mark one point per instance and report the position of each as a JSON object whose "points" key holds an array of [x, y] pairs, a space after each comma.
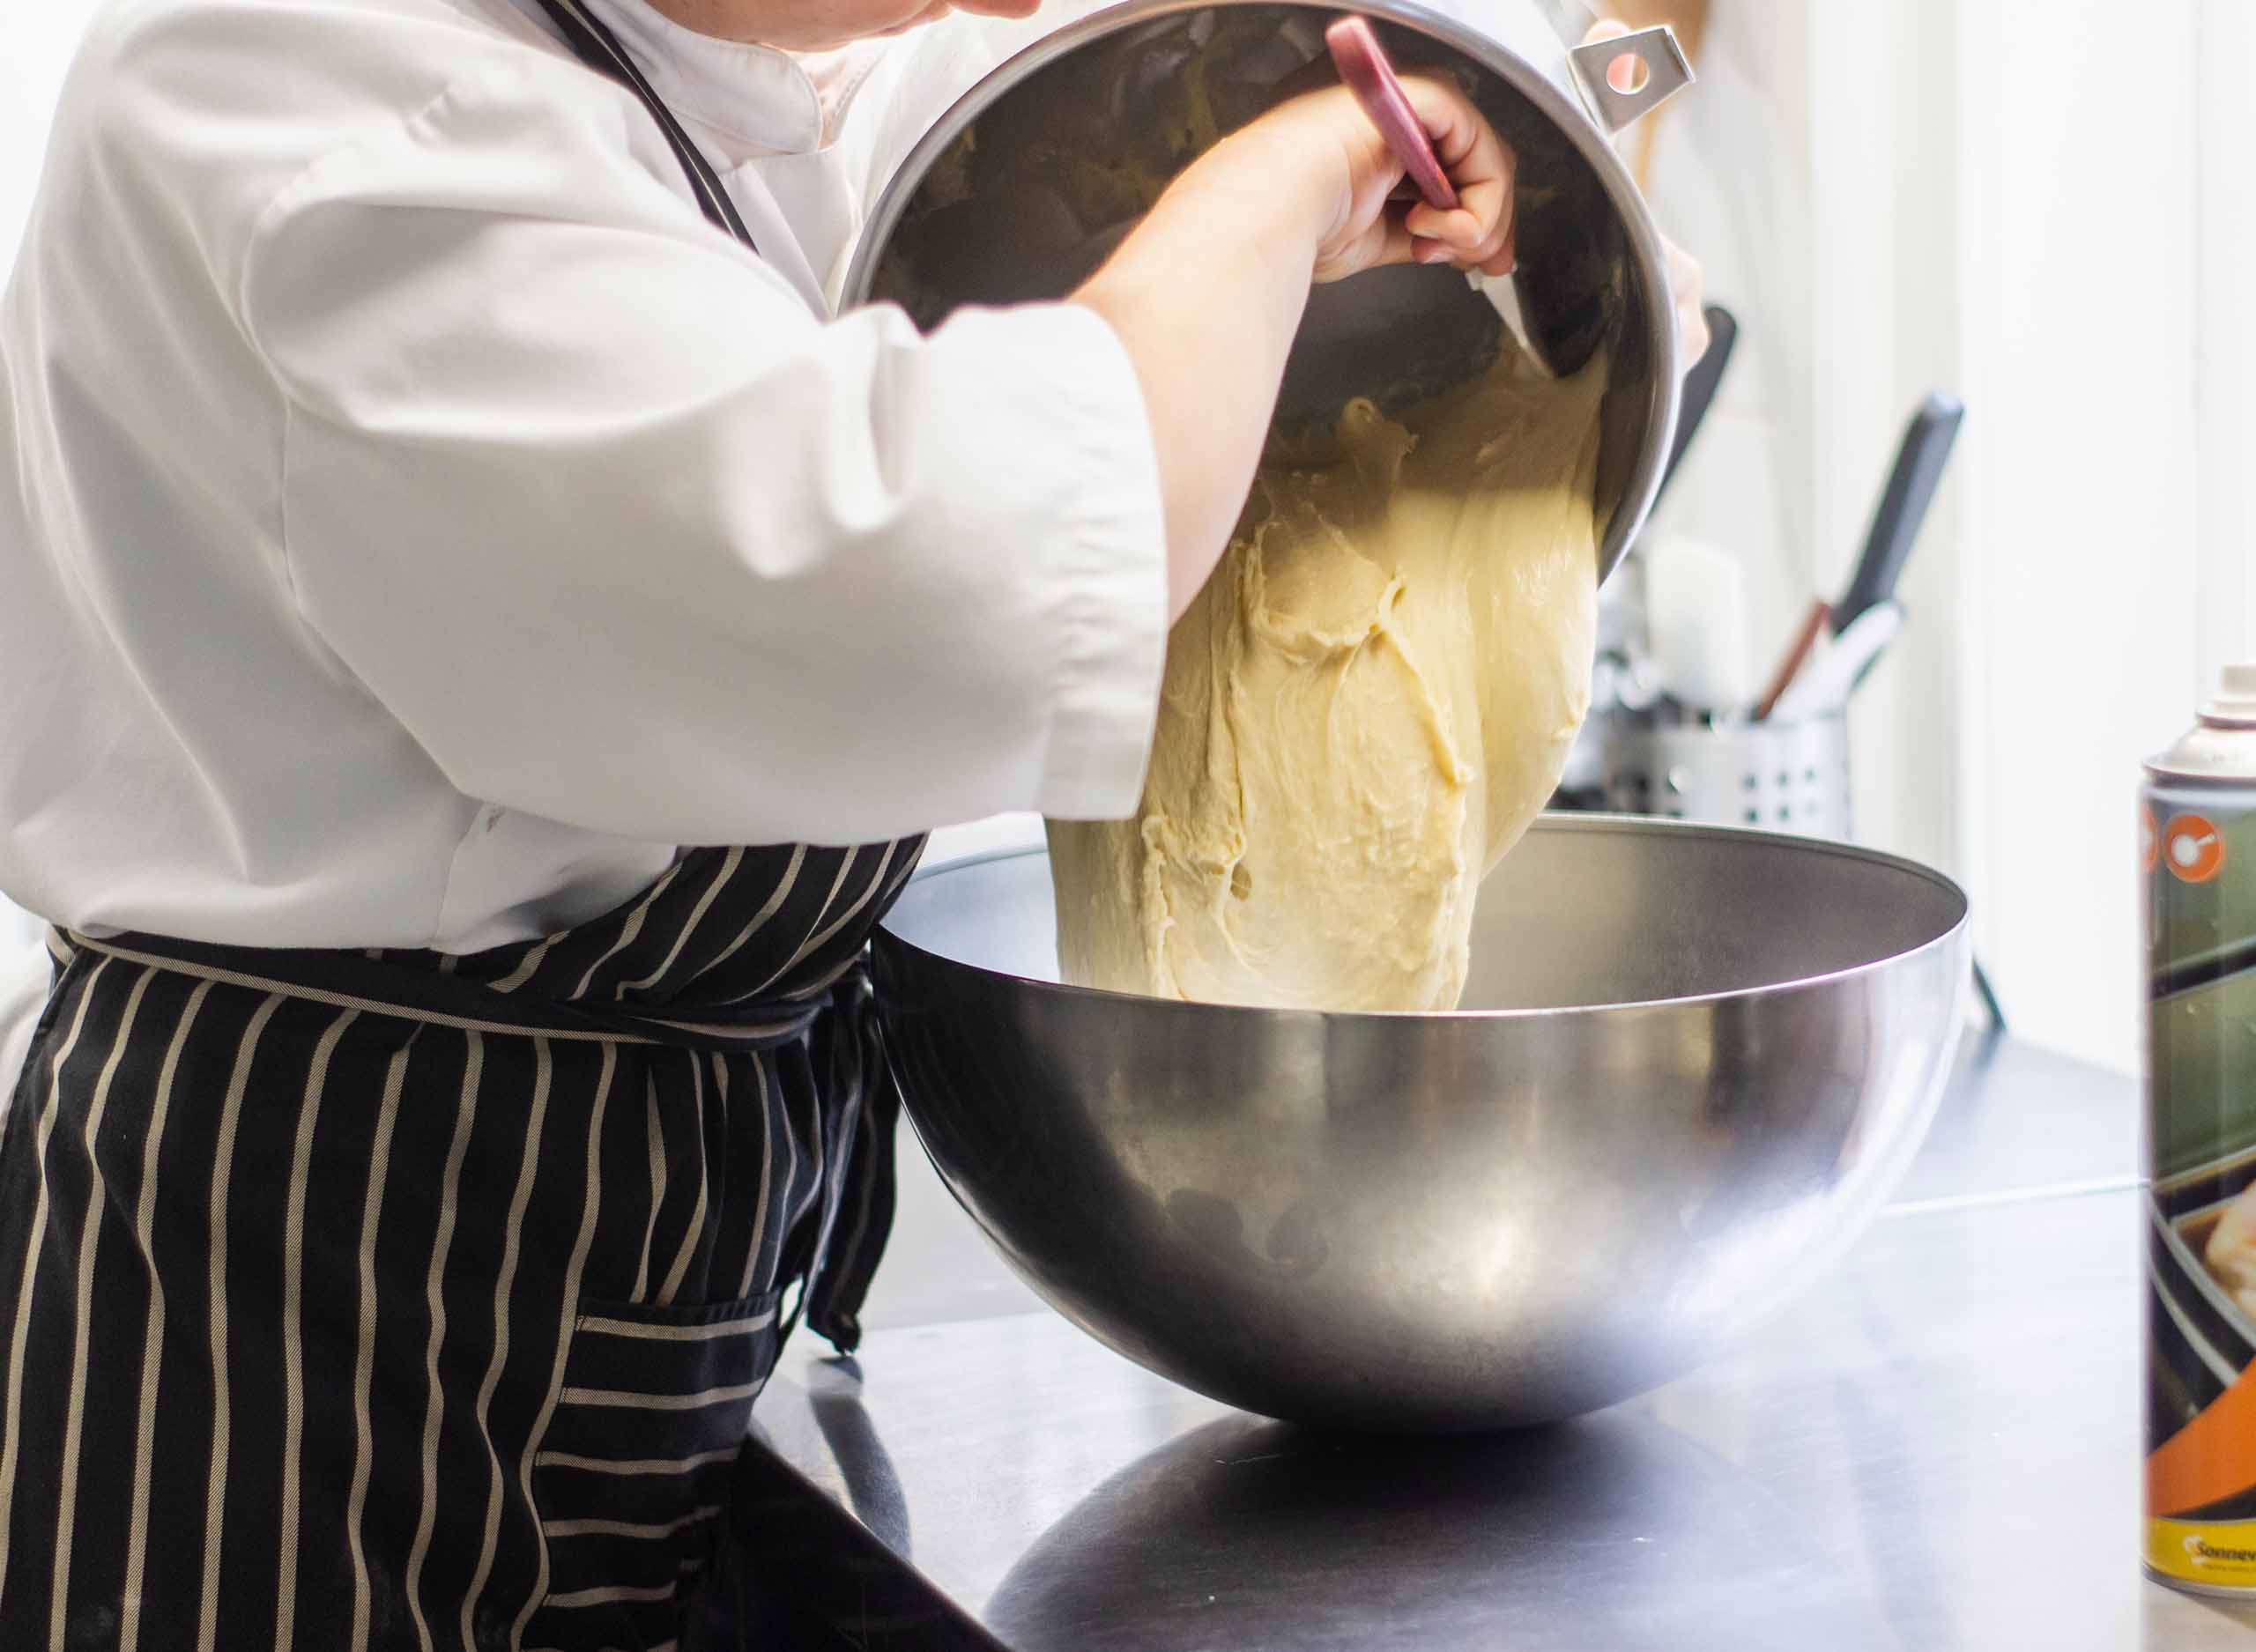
{"points": [[755, 101]]}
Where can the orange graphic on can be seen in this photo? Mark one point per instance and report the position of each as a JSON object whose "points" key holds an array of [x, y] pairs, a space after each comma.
{"points": [[2194, 848]]}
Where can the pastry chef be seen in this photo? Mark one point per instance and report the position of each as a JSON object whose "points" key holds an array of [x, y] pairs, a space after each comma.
{"points": [[433, 490]]}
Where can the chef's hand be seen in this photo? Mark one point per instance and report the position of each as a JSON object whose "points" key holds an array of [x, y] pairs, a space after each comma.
{"points": [[1685, 284], [1206, 291], [1321, 149]]}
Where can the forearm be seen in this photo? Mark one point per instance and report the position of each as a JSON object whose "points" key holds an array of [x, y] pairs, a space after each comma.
{"points": [[1206, 295]]}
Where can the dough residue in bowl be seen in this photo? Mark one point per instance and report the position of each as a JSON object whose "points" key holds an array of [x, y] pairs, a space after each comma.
{"points": [[1365, 708]]}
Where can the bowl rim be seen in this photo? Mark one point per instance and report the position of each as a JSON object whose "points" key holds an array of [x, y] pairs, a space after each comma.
{"points": [[1577, 821]]}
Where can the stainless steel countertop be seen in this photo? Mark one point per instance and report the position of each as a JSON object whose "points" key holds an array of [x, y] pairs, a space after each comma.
{"points": [[1937, 1448]]}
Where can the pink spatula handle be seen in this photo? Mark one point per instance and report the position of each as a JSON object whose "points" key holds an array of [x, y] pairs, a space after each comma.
{"points": [[1363, 65]]}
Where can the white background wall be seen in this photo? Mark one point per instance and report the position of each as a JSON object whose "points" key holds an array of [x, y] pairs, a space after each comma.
{"points": [[2087, 281], [2087, 553], [35, 40], [2043, 205]]}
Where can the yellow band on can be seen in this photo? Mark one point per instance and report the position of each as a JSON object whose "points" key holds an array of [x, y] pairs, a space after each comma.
{"points": [[2217, 1554]]}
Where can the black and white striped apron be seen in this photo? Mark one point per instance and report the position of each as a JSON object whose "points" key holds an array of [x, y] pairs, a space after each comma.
{"points": [[401, 1300], [377, 1299]]}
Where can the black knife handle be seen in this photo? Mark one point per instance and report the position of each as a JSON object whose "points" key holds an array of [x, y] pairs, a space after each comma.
{"points": [[1910, 490], [1700, 389]]}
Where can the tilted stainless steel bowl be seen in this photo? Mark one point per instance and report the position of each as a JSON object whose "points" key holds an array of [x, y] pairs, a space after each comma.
{"points": [[1020, 188], [1691, 1063]]}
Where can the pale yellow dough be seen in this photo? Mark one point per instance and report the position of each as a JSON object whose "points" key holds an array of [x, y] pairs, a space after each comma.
{"points": [[1363, 712]]}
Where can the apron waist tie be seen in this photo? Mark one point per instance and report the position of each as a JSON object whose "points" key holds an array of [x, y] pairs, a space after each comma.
{"points": [[349, 980], [858, 1189], [861, 1106]]}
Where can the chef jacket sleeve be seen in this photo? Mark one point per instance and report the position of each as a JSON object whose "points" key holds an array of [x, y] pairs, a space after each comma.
{"points": [[624, 535]]}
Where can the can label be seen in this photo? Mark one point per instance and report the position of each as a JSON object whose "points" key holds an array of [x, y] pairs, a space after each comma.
{"points": [[2217, 1554], [2199, 847]]}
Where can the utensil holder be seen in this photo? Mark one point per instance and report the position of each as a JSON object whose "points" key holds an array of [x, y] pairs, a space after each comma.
{"points": [[1782, 777]]}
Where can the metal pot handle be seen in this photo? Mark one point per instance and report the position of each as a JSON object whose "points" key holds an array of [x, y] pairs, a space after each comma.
{"points": [[1667, 72]]}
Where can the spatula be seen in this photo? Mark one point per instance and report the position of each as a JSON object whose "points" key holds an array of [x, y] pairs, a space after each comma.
{"points": [[1366, 71]]}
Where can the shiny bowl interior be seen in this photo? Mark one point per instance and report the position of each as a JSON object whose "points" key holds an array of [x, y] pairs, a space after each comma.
{"points": [[1014, 194], [1690, 1063]]}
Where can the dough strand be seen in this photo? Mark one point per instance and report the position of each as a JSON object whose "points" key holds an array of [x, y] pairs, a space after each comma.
{"points": [[1363, 712]]}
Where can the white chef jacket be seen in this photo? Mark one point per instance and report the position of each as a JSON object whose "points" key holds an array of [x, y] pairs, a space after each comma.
{"points": [[416, 520]]}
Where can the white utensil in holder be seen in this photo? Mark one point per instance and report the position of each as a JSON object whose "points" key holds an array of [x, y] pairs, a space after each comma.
{"points": [[1781, 776]]}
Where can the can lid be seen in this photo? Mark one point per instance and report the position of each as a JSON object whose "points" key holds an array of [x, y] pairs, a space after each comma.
{"points": [[2234, 704], [2222, 746]]}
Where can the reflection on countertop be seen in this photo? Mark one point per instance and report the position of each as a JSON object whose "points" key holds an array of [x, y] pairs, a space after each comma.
{"points": [[1936, 1449]]}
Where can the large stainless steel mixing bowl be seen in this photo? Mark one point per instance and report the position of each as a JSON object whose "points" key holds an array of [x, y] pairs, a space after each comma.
{"points": [[1692, 1063]]}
